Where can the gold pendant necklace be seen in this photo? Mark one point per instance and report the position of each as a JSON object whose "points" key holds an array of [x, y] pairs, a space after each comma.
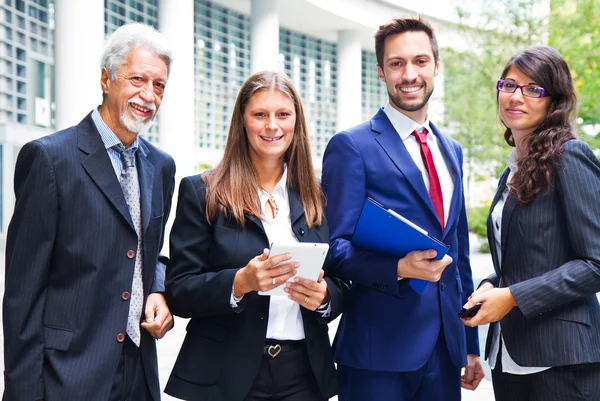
{"points": [[273, 205]]}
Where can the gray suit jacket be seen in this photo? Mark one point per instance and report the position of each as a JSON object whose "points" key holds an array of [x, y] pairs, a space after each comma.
{"points": [[68, 263], [551, 263]]}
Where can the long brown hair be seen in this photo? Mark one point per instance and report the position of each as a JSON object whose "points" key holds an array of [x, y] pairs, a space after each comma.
{"points": [[543, 147], [233, 185]]}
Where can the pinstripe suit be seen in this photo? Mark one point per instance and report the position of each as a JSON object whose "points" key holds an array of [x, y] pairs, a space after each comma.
{"points": [[69, 262], [551, 263]]}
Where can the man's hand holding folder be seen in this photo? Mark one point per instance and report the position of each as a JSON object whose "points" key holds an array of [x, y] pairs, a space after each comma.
{"points": [[422, 265], [422, 258]]}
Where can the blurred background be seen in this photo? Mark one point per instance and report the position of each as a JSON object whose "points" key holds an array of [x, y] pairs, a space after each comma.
{"points": [[50, 72]]}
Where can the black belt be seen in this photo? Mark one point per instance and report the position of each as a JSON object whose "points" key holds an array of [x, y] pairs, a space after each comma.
{"points": [[275, 347]]}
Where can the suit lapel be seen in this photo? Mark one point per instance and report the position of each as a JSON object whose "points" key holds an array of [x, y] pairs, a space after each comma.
{"points": [[146, 177], [98, 166], [490, 226], [509, 207], [393, 146], [296, 209]]}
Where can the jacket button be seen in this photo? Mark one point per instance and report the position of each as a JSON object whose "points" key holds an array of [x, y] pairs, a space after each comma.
{"points": [[301, 231], [442, 286], [120, 337], [125, 296], [131, 254]]}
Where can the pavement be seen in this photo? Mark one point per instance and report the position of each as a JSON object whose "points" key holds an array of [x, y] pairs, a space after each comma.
{"points": [[168, 347]]}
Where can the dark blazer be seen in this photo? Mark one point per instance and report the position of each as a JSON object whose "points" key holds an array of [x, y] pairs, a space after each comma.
{"points": [[67, 265], [387, 326], [223, 347], [551, 263]]}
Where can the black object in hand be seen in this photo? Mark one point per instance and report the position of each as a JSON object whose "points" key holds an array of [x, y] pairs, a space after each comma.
{"points": [[469, 313]]}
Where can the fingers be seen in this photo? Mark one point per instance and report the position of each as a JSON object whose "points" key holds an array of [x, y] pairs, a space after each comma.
{"points": [[321, 275], [310, 294], [263, 256], [268, 281], [419, 264]]}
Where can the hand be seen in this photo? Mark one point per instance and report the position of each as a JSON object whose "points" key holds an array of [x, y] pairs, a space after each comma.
{"points": [[419, 264], [309, 294], [260, 275], [495, 304], [473, 373], [158, 318]]}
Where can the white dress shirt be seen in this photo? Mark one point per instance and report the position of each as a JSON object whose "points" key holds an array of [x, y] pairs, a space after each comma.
{"points": [[508, 365], [404, 126]]}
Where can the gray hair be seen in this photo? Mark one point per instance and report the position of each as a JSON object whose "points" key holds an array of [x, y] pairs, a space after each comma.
{"points": [[129, 37]]}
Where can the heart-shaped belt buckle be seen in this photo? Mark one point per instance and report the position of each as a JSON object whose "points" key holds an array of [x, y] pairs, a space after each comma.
{"points": [[274, 350]]}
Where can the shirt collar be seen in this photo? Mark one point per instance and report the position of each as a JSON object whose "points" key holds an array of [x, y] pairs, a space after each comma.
{"points": [[511, 161], [280, 187], [403, 125], [109, 139]]}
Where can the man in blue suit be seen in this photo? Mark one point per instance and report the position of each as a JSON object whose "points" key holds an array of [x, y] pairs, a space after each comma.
{"points": [[394, 343], [83, 302]]}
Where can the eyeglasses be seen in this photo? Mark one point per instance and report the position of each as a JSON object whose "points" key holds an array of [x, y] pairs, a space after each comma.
{"points": [[526, 90]]}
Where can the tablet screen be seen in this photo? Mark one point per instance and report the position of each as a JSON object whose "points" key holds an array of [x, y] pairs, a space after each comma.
{"points": [[309, 255]]}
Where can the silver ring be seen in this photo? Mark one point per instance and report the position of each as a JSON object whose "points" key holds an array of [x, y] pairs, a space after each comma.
{"points": [[274, 282]]}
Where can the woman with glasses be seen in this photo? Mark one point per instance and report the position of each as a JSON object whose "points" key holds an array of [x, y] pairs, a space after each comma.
{"points": [[544, 235], [241, 345]]}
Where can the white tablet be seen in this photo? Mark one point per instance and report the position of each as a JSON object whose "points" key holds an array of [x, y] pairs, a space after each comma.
{"points": [[310, 256]]}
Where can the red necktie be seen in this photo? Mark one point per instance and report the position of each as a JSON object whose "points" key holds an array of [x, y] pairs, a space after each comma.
{"points": [[435, 189]]}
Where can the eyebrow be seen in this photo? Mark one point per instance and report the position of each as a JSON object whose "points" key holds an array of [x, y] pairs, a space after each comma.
{"points": [[529, 84]]}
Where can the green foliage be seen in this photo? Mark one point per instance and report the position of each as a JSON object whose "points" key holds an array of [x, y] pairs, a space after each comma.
{"points": [[471, 75], [477, 217], [574, 31]]}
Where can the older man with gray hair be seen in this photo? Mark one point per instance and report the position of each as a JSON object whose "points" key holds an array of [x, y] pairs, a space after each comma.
{"points": [[83, 301]]}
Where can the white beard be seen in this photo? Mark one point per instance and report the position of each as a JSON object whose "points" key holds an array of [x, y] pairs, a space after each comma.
{"points": [[137, 124]]}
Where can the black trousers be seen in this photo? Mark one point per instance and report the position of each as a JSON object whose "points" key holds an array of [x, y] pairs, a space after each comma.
{"points": [[561, 383], [287, 377], [130, 381]]}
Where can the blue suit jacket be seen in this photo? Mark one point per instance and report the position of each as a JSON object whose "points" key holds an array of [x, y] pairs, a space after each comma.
{"points": [[67, 265], [386, 325]]}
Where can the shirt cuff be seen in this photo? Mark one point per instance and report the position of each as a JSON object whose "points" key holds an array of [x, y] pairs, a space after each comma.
{"points": [[325, 312], [233, 300], [158, 285]]}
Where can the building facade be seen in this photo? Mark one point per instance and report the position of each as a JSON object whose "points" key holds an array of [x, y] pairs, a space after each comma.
{"points": [[50, 55]]}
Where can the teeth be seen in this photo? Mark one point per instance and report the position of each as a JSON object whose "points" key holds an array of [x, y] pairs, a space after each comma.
{"points": [[140, 108], [271, 139], [410, 89]]}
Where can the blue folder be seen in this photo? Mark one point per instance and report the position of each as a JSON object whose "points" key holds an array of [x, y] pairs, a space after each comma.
{"points": [[379, 229]]}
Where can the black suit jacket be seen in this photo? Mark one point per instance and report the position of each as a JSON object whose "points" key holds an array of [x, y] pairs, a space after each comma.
{"points": [[67, 265], [551, 263], [223, 347]]}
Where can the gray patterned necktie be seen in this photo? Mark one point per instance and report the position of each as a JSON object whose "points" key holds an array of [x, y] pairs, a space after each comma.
{"points": [[131, 190]]}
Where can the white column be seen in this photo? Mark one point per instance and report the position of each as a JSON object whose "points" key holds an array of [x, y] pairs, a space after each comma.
{"points": [[78, 46], [349, 92], [177, 112], [264, 35]]}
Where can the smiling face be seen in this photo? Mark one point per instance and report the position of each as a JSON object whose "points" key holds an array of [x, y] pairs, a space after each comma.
{"points": [[269, 121], [519, 113], [409, 69], [132, 99]]}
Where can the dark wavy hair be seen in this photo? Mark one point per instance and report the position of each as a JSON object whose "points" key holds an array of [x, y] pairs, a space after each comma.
{"points": [[543, 147]]}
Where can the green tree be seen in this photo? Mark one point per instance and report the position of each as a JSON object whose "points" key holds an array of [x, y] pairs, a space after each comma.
{"points": [[574, 30], [494, 35]]}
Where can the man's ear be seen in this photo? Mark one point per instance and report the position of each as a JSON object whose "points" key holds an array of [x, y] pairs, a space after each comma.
{"points": [[380, 73], [105, 81], [437, 69]]}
